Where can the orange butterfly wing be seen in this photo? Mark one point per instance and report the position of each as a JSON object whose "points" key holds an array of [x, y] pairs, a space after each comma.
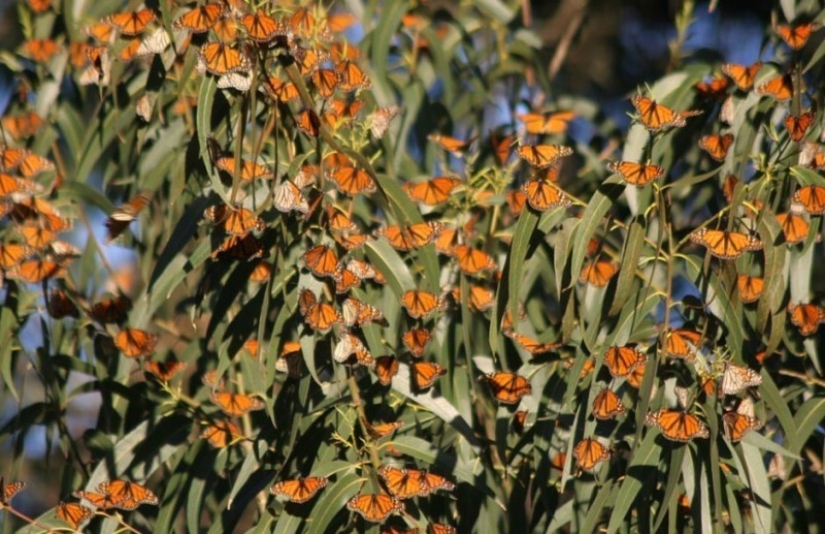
{"points": [[750, 288], [236, 404], [261, 27], [681, 343], [401, 483], [598, 273], [221, 59], [386, 367], [165, 371], [432, 192], [351, 76], [677, 425], [723, 244], [222, 434], [636, 174], [200, 19], [716, 145], [780, 88], [607, 405], [797, 35], [589, 453], [128, 495], [135, 343], [11, 489], [794, 226], [352, 180], [736, 425], [542, 195], [426, 373], [416, 340], [743, 76], [508, 388], [812, 198], [797, 126], [807, 317], [621, 361], [656, 117], [322, 261], [473, 261], [299, 490], [375, 507], [543, 156], [420, 303], [130, 24], [73, 513]]}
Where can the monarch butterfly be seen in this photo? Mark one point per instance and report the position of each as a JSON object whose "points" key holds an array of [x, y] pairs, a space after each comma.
{"points": [[261, 27], [320, 316], [714, 89], [153, 44], [502, 146], [309, 59], [39, 6], [380, 119], [481, 298], [101, 32], [165, 371], [473, 261], [558, 460], [386, 367], [20, 126], [288, 197], [519, 421], [589, 453], [812, 198], [736, 425], [794, 226], [508, 388], [240, 248], [677, 425], [35, 271], [421, 303], [416, 340], [325, 81], [351, 76], [736, 379], [554, 123], [236, 403], [30, 164], [432, 192], [797, 126], [533, 346], [124, 214], [637, 174], [12, 254], [221, 59], [75, 514], [750, 287], [250, 171], [221, 434], [352, 180], [130, 24], [128, 495], [807, 317], [10, 490], [607, 405], [200, 19], [542, 156], [321, 261], [656, 117], [261, 272], [516, 201], [431, 481], [779, 87], [9, 186], [340, 21], [723, 244], [682, 343], [426, 373], [542, 195], [40, 50], [281, 91], [743, 76], [812, 155], [411, 237], [357, 313], [236, 221], [598, 273], [402, 483], [797, 35], [134, 343], [111, 310], [375, 507], [300, 489], [304, 25], [716, 145], [440, 528], [348, 345], [103, 501], [381, 430], [634, 379], [454, 146], [60, 305], [621, 361], [345, 280], [35, 236]]}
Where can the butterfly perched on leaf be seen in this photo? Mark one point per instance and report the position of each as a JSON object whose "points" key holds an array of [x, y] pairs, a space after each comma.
{"points": [[235, 221], [221, 59], [638, 174], [261, 27], [236, 403], [797, 125], [130, 23], [402, 483], [25, 162], [416, 340], [807, 317], [164, 371], [737, 425], [419, 303], [34, 271], [10, 490], [200, 18], [779, 87], [75, 514], [424, 374], [375, 507], [541, 195], [677, 425], [319, 315], [299, 490], [794, 226], [607, 405], [589, 453], [724, 244], [621, 361], [386, 367], [507, 388], [716, 145], [598, 273], [472, 261], [656, 117], [742, 75], [750, 287], [683, 343], [118, 494], [811, 198], [432, 192], [321, 261], [737, 378]]}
